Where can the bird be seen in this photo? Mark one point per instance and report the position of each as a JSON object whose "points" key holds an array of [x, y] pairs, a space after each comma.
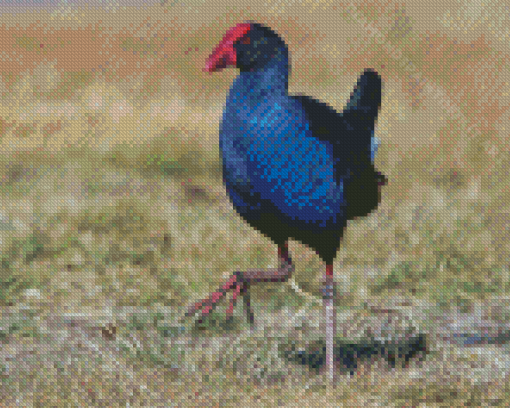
{"points": [[293, 167]]}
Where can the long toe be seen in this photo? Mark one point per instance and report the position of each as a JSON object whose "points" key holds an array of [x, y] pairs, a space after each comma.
{"points": [[206, 306]]}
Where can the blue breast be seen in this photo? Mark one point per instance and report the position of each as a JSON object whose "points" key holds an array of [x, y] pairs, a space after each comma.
{"points": [[273, 163]]}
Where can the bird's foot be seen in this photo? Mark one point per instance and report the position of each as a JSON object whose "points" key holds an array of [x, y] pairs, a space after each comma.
{"points": [[239, 285]]}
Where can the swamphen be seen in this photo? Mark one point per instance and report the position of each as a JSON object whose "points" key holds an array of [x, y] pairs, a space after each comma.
{"points": [[293, 167]]}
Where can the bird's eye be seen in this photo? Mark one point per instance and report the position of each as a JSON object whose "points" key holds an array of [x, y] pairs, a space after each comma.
{"points": [[245, 40]]}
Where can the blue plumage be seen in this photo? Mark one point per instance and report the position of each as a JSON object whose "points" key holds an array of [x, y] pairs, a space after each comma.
{"points": [[269, 154], [290, 155]]}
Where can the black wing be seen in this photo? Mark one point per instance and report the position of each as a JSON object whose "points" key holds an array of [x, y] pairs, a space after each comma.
{"points": [[351, 131]]}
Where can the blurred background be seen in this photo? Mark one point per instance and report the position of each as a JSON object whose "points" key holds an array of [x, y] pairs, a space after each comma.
{"points": [[113, 214]]}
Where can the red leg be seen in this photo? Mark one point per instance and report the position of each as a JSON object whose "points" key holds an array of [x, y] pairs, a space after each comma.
{"points": [[239, 283]]}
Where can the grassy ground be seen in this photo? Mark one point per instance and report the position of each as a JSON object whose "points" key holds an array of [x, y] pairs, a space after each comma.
{"points": [[113, 215]]}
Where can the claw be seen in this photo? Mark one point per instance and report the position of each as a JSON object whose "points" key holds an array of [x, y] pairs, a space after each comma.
{"points": [[206, 306]]}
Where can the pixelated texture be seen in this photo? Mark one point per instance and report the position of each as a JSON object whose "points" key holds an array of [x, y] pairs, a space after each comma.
{"points": [[115, 215]]}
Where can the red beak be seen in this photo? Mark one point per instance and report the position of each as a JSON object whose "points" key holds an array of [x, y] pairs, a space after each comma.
{"points": [[224, 54]]}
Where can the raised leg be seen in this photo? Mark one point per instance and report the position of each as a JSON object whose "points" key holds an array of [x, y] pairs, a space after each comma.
{"points": [[240, 283]]}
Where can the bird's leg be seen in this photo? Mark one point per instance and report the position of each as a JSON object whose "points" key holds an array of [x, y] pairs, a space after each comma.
{"points": [[329, 313], [240, 282], [280, 274]]}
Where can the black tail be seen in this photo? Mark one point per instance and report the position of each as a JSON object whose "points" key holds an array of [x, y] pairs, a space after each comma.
{"points": [[361, 111]]}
